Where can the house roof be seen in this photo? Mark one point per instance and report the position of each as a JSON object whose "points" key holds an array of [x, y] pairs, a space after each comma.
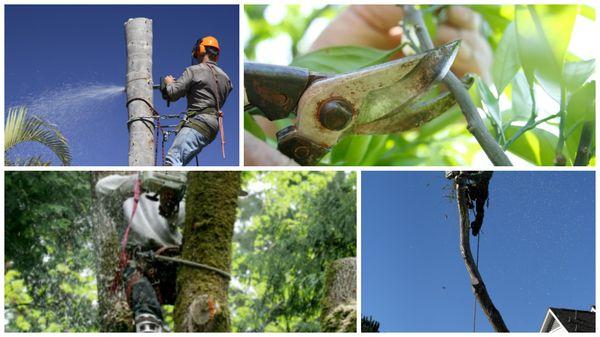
{"points": [[576, 320]]}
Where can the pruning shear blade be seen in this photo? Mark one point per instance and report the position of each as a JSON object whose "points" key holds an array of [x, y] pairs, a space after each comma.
{"points": [[382, 98]]}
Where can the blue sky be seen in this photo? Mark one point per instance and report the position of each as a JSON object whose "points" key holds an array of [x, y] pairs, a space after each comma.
{"points": [[53, 53], [536, 250]]}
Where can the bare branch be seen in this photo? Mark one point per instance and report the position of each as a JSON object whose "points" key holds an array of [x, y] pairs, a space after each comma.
{"points": [[477, 284]]}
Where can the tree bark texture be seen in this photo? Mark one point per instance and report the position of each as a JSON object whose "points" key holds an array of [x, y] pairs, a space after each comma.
{"points": [[338, 313], [479, 289], [211, 207], [138, 34], [114, 314]]}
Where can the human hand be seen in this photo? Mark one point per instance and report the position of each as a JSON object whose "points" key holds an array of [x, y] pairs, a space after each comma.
{"points": [[376, 26], [169, 79], [475, 54], [259, 153]]}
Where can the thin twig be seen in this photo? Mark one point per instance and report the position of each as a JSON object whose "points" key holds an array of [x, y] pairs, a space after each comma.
{"points": [[474, 123], [528, 127]]}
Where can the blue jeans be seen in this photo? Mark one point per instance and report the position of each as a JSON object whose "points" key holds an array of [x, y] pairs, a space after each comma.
{"points": [[187, 144]]}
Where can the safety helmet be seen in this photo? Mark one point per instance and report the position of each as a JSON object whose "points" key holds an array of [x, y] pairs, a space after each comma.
{"points": [[201, 44]]}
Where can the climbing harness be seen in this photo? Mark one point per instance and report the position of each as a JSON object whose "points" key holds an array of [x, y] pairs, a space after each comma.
{"points": [[123, 258], [165, 131]]}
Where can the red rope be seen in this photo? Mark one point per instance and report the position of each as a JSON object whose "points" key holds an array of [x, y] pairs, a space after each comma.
{"points": [[123, 258], [222, 131], [221, 128]]}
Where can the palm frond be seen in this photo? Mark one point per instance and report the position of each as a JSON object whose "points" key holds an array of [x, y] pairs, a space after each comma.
{"points": [[20, 127]]}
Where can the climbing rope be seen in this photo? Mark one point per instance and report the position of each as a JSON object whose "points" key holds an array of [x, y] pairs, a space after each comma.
{"points": [[123, 258], [154, 120], [156, 117], [220, 113]]}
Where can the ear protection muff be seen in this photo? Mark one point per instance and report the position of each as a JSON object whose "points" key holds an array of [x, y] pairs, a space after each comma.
{"points": [[198, 49]]}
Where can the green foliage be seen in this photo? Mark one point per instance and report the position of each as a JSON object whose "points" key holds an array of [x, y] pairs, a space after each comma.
{"points": [[49, 282], [294, 25], [290, 226], [532, 64], [21, 128]]}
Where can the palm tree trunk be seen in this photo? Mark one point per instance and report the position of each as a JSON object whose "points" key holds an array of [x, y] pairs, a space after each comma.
{"points": [[211, 207], [138, 34]]}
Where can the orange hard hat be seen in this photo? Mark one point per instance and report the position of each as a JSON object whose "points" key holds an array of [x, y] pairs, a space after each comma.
{"points": [[201, 44], [209, 41]]}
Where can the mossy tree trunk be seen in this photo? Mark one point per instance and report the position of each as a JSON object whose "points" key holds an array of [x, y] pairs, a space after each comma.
{"points": [[113, 311], [211, 206], [338, 313]]}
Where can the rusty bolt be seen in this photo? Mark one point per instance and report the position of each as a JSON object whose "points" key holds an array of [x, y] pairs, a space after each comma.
{"points": [[335, 114]]}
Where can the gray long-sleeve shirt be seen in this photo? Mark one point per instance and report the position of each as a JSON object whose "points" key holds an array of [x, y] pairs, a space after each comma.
{"points": [[198, 85]]}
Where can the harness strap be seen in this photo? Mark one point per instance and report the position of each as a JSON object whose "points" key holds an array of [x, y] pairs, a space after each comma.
{"points": [[220, 113], [123, 258]]}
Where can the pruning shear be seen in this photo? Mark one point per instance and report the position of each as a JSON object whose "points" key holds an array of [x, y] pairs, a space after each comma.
{"points": [[381, 99]]}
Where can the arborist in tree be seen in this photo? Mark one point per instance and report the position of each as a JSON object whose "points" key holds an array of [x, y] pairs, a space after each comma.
{"points": [[477, 183], [148, 209], [206, 87]]}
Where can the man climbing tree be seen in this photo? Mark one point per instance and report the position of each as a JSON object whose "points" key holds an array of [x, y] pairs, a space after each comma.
{"points": [[206, 87], [472, 186], [476, 184], [147, 209]]}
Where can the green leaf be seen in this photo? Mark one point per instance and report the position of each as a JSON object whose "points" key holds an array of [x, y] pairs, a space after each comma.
{"points": [[536, 145], [251, 126], [342, 59], [581, 108], [358, 148], [376, 150], [543, 35], [506, 59], [576, 74], [490, 102], [588, 12], [521, 99]]}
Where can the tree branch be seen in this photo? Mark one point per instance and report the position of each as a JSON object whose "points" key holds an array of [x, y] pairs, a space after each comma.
{"points": [[477, 284], [474, 123], [585, 143]]}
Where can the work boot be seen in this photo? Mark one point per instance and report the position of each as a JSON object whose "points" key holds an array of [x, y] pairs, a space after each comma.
{"points": [[147, 323]]}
